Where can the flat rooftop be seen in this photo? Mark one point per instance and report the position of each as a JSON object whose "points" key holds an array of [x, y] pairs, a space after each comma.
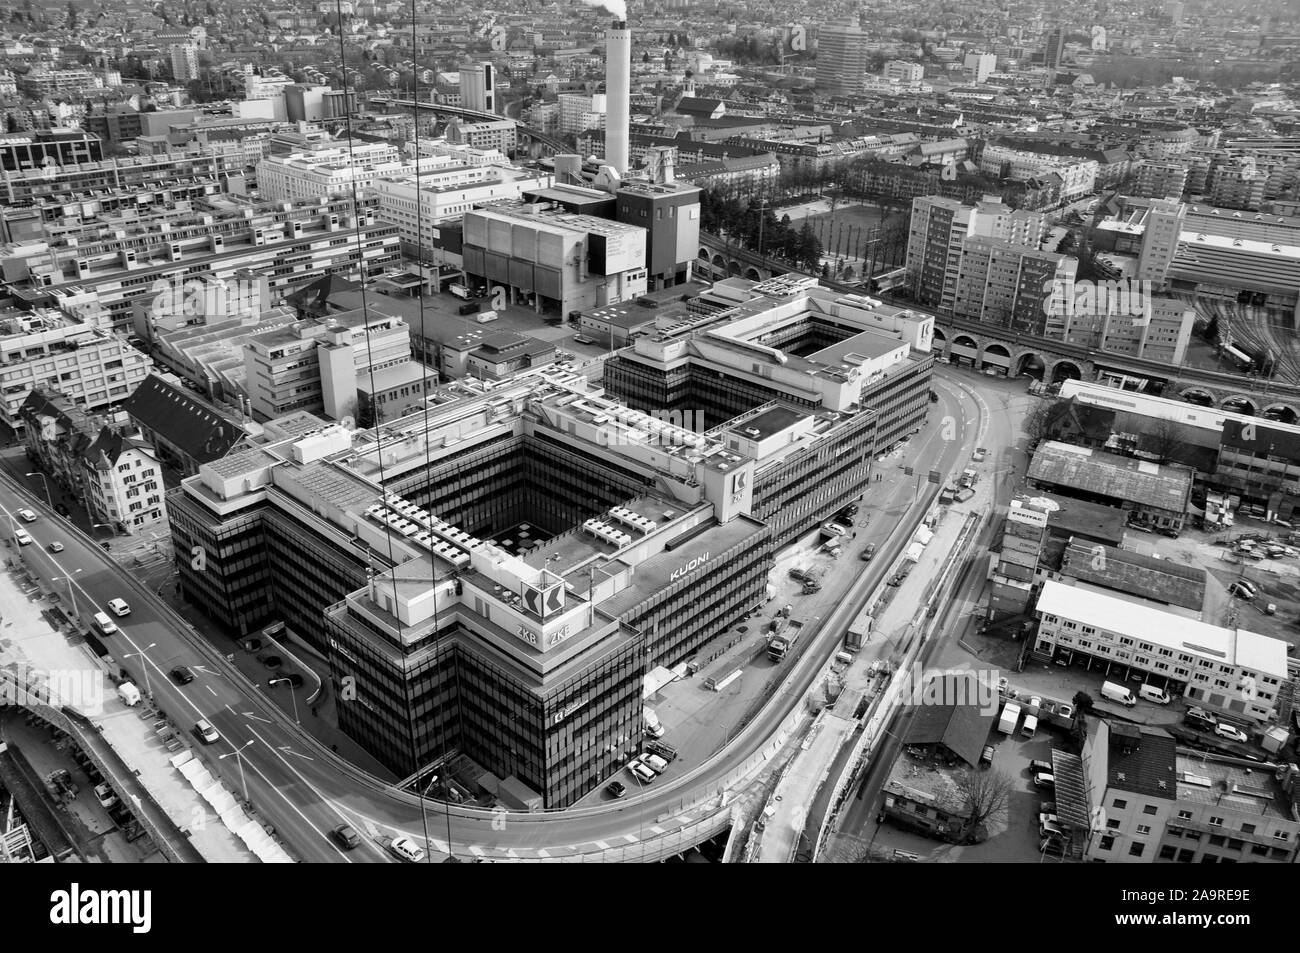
{"points": [[1231, 647], [769, 422], [655, 574], [1204, 780]]}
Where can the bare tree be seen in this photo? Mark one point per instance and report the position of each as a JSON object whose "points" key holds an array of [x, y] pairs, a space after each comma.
{"points": [[982, 796], [1038, 423], [1161, 437]]}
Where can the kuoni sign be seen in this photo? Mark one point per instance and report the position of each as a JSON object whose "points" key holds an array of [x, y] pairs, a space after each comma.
{"points": [[691, 566]]}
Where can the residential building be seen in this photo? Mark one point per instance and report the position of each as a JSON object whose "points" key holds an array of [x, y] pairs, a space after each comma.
{"points": [[94, 369], [478, 88], [184, 430], [904, 71], [1229, 670], [1158, 803], [185, 62], [501, 135], [841, 64], [980, 65], [113, 472], [1159, 180], [580, 112]]}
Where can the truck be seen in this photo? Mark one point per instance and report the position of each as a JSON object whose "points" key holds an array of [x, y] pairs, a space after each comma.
{"points": [[913, 553], [859, 632], [1010, 715], [969, 478], [781, 640], [460, 291], [947, 494], [964, 494], [129, 694]]}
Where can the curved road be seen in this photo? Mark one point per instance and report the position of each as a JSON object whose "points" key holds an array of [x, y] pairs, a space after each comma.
{"points": [[305, 790]]}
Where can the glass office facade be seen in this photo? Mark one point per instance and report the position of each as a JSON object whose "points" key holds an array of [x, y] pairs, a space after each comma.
{"points": [[900, 399], [805, 489], [222, 563], [442, 695]]}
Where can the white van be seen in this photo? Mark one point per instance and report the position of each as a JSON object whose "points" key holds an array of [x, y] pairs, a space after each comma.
{"points": [[1030, 727], [1152, 694], [483, 317], [1118, 693], [104, 624]]}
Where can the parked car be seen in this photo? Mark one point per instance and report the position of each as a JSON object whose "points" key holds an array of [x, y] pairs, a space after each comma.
{"points": [[663, 749], [1047, 807], [26, 515], [346, 837], [104, 794], [181, 675], [582, 339], [1241, 591], [1198, 718], [655, 763], [979, 454], [1231, 732], [406, 849], [1040, 767], [616, 789], [639, 771], [1045, 780], [654, 731], [986, 756]]}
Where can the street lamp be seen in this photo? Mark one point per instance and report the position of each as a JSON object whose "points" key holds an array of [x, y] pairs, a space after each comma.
{"points": [[239, 759], [49, 500], [144, 662], [289, 682], [424, 819], [72, 595]]}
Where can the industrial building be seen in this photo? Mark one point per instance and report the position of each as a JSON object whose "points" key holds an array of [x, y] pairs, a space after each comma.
{"points": [[1151, 494]]}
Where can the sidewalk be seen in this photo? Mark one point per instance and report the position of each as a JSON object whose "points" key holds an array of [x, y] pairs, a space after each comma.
{"points": [[28, 639]]}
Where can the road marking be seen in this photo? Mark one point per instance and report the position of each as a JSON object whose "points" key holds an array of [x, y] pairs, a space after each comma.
{"points": [[249, 714], [543, 853], [631, 838], [209, 688], [476, 850], [287, 750], [656, 830], [601, 844]]}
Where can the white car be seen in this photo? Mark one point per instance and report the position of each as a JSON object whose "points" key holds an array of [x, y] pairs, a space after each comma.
{"points": [[104, 794], [24, 538], [1231, 732], [406, 849], [655, 763], [119, 607], [205, 732], [27, 516], [641, 772]]}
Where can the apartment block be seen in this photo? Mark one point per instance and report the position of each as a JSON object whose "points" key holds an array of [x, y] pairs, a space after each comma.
{"points": [[1156, 803], [1230, 670], [1159, 180], [326, 172], [105, 269], [580, 112], [841, 65], [94, 369], [500, 134]]}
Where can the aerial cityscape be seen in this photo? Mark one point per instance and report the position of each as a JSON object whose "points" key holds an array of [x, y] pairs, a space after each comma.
{"points": [[688, 432]]}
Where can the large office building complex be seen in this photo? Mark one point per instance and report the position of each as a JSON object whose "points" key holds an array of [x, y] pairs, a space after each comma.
{"points": [[497, 574]]}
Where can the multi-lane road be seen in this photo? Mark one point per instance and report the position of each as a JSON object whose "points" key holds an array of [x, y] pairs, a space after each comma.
{"points": [[304, 790]]}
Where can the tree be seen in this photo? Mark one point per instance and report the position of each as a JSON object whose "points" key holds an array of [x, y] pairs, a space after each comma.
{"points": [[1162, 438], [1037, 424], [72, 15], [982, 797]]}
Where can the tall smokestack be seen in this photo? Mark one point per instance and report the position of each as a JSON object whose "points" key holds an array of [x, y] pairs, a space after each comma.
{"points": [[618, 92]]}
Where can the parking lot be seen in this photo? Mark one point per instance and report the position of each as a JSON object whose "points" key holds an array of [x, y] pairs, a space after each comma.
{"points": [[1013, 834]]}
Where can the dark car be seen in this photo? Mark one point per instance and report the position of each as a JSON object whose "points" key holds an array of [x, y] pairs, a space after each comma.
{"points": [[181, 675], [616, 789], [849, 512], [663, 749], [346, 837], [986, 756], [868, 552], [468, 309]]}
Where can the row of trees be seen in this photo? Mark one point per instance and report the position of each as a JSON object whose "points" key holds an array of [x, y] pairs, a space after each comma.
{"points": [[752, 225]]}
